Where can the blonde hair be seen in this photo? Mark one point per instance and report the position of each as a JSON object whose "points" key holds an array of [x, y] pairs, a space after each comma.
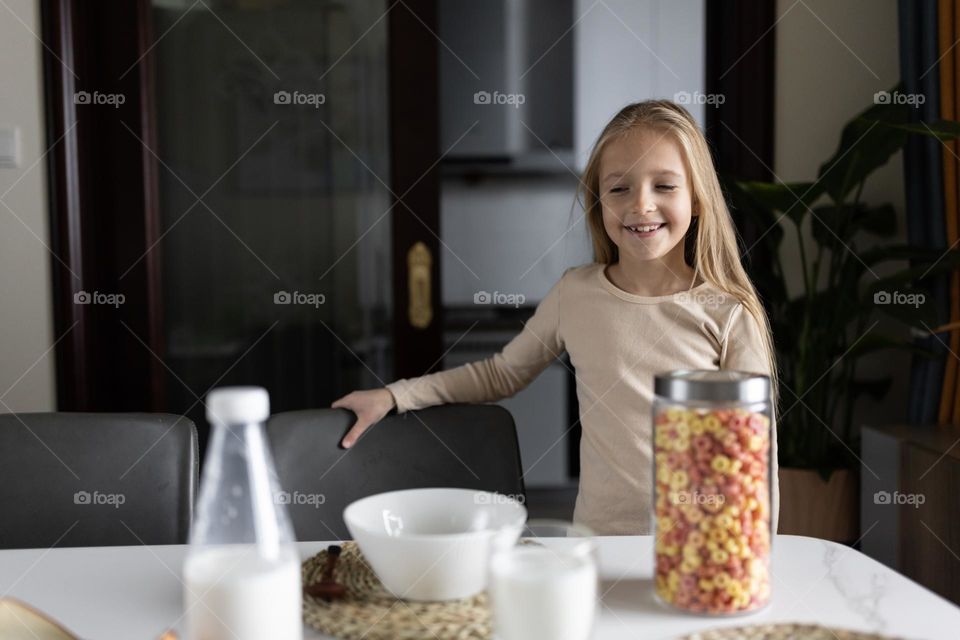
{"points": [[710, 246]]}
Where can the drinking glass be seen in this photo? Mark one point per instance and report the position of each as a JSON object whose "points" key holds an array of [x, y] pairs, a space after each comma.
{"points": [[545, 585]]}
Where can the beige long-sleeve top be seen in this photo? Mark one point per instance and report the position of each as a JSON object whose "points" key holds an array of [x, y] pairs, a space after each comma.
{"points": [[617, 342]]}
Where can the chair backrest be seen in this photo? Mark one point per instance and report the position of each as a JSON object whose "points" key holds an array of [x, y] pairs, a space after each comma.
{"points": [[96, 479], [464, 446]]}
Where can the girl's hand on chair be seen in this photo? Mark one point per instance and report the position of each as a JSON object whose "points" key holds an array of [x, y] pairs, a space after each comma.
{"points": [[370, 406]]}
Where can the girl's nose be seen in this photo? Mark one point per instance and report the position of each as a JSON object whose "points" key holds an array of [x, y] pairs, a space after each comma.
{"points": [[644, 201]]}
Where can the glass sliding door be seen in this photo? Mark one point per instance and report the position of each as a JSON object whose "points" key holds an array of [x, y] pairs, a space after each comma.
{"points": [[273, 155]]}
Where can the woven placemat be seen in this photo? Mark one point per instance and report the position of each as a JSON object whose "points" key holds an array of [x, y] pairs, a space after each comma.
{"points": [[784, 632], [371, 612]]}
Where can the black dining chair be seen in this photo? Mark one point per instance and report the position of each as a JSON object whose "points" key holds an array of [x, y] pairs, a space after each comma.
{"points": [[96, 479], [463, 446]]}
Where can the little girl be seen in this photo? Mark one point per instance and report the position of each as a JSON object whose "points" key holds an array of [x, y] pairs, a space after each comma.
{"points": [[666, 291]]}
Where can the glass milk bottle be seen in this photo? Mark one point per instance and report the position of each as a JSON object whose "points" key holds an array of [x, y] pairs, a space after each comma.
{"points": [[242, 572], [711, 501]]}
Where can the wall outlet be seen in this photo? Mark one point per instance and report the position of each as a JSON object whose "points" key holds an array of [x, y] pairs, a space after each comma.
{"points": [[9, 147]]}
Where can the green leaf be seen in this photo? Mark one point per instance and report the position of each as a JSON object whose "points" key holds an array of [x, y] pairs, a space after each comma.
{"points": [[927, 264], [835, 227], [891, 252], [793, 199], [865, 145], [873, 342], [831, 224], [854, 268], [913, 277], [941, 129]]}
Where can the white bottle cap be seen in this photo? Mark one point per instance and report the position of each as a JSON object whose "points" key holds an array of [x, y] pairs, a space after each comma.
{"points": [[238, 405]]}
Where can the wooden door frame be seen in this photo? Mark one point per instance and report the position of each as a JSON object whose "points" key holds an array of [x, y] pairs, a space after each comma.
{"points": [[106, 359], [741, 62], [414, 171]]}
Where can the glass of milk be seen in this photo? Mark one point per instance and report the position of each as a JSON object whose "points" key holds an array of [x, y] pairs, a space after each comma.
{"points": [[242, 571], [545, 585]]}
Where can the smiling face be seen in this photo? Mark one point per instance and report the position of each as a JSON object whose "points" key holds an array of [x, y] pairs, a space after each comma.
{"points": [[645, 196]]}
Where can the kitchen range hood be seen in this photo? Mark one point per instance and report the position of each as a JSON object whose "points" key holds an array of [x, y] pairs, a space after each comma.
{"points": [[506, 86]]}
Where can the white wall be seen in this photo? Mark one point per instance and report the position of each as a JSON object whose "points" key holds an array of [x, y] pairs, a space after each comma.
{"points": [[631, 50], [26, 323], [831, 58], [510, 235]]}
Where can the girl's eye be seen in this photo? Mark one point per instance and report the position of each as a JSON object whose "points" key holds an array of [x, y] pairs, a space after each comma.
{"points": [[662, 187]]}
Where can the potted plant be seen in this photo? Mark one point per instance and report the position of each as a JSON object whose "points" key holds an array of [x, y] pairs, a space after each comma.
{"points": [[822, 333]]}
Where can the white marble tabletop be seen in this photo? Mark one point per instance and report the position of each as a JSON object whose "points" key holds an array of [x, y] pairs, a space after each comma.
{"points": [[101, 593]]}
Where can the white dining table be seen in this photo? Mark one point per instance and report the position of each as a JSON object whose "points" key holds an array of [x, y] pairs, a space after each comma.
{"points": [[126, 593]]}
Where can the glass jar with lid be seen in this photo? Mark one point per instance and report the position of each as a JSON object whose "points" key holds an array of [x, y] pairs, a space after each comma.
{"points": [[711, 500]]}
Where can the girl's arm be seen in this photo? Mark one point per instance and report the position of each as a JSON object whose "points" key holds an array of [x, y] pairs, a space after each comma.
{"points": [[489, 380], [743, 349]]}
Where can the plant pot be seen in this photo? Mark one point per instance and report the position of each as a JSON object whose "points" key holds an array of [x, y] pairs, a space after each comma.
{"points": [[810, 506]]}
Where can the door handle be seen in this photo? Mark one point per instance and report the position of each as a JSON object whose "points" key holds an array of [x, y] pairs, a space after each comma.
{"points": [[420, 308]]}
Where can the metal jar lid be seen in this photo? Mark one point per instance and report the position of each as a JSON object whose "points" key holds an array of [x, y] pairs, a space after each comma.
{"points": [[687, 385]]}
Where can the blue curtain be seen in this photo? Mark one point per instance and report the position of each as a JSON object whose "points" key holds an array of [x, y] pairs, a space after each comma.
{"points": [[923, 177]]}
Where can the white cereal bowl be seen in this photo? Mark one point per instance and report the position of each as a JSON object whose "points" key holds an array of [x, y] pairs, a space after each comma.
{"points": [[433, 544]]}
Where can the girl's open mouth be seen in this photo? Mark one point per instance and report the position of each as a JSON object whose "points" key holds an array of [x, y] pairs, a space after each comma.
{"points": [[644, 230]]}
